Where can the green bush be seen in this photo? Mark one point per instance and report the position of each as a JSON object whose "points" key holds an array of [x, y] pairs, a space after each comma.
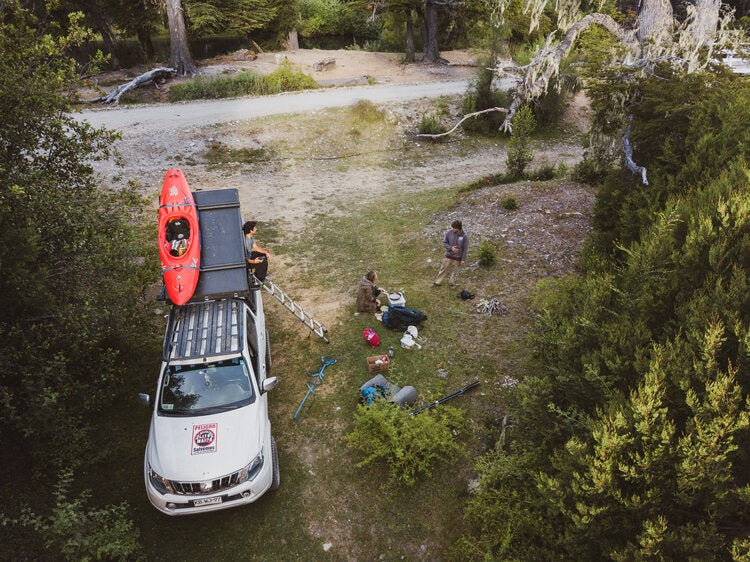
{"points": [[509, 204], [520, 154], [542, 173], [74, 531], [336, 18], [635, 423], [482, 96], [590, 171], [486, 253], [406, 446], [431, 125], [286, 78], [202, 87]]}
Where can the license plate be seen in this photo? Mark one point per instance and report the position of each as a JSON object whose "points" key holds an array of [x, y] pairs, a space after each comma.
{"points": [[207, 501]]}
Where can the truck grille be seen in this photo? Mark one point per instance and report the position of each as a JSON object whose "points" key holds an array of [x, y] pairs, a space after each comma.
{"points": [[194, 488]]}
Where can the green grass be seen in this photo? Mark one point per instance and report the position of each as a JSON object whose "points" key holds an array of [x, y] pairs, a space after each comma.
{"points": [[222, 154], [323, 496], [286, 78]]}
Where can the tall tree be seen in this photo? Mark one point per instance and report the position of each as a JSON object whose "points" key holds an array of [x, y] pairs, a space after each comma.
{"points": [[658, 36], [74, 264], [180, 58], [630, 439]]}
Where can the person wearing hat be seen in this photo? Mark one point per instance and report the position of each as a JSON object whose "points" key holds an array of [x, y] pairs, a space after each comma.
{"points": [[456, 244], [367, 293]]}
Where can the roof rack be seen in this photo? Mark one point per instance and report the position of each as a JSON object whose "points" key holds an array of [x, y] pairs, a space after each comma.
{"points": [[202, 330]]}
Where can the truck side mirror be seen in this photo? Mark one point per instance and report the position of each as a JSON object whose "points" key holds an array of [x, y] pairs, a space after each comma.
{"points": [[270, 383], [144, 399]]}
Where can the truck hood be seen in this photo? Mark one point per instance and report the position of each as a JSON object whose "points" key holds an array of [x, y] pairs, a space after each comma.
{"points": [[194, 449]]}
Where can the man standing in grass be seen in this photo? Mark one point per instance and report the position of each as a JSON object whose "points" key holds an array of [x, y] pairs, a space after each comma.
{"points": [[456, 244]]}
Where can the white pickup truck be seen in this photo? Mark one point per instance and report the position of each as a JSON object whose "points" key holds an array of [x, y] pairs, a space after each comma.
{"points": [[210, 445]]}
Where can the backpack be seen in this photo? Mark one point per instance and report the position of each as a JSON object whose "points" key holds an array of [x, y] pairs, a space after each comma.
{"points": [[371, 337], [400, 317], [465, 295]]}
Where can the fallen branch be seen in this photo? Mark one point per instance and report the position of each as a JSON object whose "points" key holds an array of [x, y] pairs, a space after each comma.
{"points": [[631, 165], [145, 78], [465, 117], [490, 306]]}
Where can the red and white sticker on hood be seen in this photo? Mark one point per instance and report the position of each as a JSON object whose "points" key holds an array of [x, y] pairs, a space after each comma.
{"points": [[205, 437]]}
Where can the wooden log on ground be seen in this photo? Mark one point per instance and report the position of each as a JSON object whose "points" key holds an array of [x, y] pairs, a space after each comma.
{"points": [[145, 78], [324, 64]]}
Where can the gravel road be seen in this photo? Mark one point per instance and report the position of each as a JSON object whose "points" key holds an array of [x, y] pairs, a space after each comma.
{"points": [[141, 119]]}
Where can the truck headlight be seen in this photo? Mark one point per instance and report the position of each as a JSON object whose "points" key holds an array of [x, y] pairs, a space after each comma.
{"points": [[161, 484], [250, 471]]}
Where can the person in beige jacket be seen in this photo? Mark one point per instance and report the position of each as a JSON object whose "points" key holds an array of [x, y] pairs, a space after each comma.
{"points": [[367, 293]]}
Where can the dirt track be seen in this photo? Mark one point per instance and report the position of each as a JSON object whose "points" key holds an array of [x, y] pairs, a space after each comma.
{"points": [[288, 188]]}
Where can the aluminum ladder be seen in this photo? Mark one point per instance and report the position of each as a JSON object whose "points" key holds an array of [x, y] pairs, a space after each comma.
{"points": [[303, 316]]}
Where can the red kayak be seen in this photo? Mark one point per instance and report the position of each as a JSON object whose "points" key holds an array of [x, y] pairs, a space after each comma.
{"points": [[179, 238]]}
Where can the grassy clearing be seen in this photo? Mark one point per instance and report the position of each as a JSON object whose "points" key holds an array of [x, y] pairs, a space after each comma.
{"points": [[284, 79], [324, 498]]}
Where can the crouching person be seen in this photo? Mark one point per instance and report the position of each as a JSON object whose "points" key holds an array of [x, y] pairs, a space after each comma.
{"points": [[367, 293]]}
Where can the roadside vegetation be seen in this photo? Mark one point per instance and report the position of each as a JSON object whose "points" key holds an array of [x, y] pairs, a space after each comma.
{"points": [[286, 78]]}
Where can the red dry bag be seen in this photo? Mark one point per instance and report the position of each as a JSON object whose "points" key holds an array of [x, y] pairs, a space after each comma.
{"points": [[371, 337]]}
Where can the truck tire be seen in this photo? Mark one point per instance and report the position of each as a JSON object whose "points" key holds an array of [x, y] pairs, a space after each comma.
{"points": [[268, 355], [276, 482]]}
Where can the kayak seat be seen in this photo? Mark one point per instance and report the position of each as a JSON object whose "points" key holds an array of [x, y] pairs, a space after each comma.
{"points": [[177, 229]]}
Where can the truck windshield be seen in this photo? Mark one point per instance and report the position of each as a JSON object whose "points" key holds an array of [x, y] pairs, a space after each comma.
{"points": [[190, 390]]}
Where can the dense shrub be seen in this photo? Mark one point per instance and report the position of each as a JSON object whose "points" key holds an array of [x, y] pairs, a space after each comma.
{"points": [[431, 124], [486, 253], [76, 260], [337, 18], [519, 147], [75, 531], [406, 446], [509, 203], [631, 438], [542, 173], [286, 78], [685, 131], [482, 96], [590, 171]]}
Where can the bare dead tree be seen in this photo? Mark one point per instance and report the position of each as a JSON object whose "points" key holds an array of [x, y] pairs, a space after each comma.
{"points": [[658, 36]]}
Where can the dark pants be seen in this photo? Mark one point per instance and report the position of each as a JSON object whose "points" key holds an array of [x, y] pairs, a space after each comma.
{"points": [[259, 269]]}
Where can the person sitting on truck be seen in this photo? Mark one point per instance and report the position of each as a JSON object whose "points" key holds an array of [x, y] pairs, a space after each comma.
{"points": [[367, 293], [256, 257]]}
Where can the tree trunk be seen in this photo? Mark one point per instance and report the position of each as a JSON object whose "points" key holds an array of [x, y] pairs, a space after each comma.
{"points": [[423, 29], [703, 27], [292, 41], [180, 58], [145, 43], [655, 21], [99, 18], [409, 38], [431, 52]]}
